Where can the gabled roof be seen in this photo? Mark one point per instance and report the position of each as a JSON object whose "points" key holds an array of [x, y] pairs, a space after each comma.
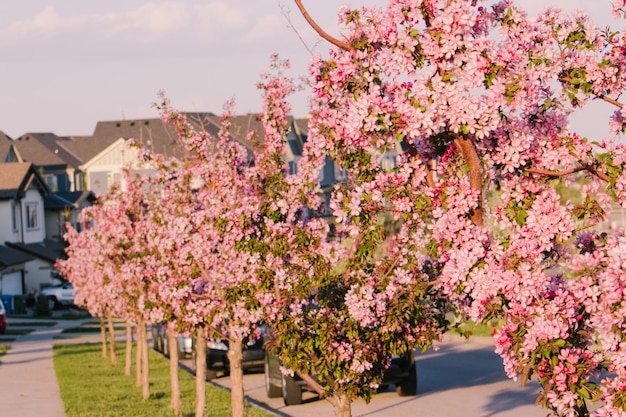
{"points": [[45, 150], [17, 177], [48, 250], [153, 133], [67, 199], [9, 257], [7, 150]]}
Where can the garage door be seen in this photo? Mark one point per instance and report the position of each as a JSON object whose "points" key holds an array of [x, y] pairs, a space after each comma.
{"points": [[11, 284]]}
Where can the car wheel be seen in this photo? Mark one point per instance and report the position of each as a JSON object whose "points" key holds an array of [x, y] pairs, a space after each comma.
{"points": [[408, 386], [292, 392], [52, 302], [272, 391], [211, 374]]}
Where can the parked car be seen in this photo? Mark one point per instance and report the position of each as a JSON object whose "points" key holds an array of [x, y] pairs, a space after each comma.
{"points": [[402, 373], [217, 358], [4, 323], [59, 295], [160, 342]]}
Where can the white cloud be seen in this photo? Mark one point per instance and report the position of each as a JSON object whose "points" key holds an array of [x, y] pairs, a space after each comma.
{"points": [[216, 17], [150, 21], [263, 29], [45, 23]]}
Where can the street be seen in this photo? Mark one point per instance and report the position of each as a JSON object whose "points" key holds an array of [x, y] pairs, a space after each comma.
{"points": [[460, 379]]}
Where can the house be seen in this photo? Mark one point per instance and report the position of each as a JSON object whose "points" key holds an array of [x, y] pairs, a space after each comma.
{"points": [[62, 175], [58, 166], [64, 207], [22, 194], [106, 153], [60, 169]]}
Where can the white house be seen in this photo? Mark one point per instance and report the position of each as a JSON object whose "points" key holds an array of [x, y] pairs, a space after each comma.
{"points": [[22, 193]]}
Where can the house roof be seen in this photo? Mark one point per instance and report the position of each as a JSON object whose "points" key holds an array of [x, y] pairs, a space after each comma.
{"points": [[17, 177], [45, 149], [153, 133], [9, 257], [48, 250], [8, 152], [67, 199]]}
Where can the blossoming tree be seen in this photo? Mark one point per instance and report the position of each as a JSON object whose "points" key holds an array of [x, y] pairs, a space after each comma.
{"points": [[226, 215], [107, 266], [476, 103]]}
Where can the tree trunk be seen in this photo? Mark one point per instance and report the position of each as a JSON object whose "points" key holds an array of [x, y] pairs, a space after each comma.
{"points": [[128, 360], [175, 383], [235, 356], [138, 358], [145, 364], [200, 371], [341, 404], [103, 333], [112, 340]]}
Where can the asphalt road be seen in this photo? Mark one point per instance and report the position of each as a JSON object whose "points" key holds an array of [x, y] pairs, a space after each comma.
{"points": [[460, 379]]}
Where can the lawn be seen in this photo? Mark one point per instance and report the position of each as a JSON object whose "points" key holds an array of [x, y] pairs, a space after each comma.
{"points": [[17, 332], [34, 324], [87, 329], [91, 387]]}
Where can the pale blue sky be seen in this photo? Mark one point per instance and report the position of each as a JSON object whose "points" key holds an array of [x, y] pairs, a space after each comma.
{"points": [[66, 64]]}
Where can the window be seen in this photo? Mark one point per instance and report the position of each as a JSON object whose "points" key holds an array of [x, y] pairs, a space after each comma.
{"points": [[388, 161], [14, 216], [341, 174], [51, 182], [32, 218]]}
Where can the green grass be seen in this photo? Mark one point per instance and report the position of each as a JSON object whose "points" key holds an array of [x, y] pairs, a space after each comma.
{"points": [[469, 328], [3, 350], [87, 329], [91, 387], [17, 332], [34, 324], [64, 316]]}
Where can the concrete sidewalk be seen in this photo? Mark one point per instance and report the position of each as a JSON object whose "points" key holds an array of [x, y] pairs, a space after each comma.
{"points": [[29, 384]]}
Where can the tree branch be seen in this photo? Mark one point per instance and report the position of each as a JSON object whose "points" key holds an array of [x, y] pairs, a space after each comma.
{"points": [[430, 180], [610, 100], [320, 31], [600, 96], [555, 174], [475, 174], [319, 390]]}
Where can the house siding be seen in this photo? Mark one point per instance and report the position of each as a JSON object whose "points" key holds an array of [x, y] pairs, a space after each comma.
{"points": [[33, 202], [7, 234]]}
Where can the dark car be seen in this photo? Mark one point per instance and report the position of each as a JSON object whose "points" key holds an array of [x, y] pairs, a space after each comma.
{"points": [[217, 358], [160, 342], [3, 318], [402, 373]]}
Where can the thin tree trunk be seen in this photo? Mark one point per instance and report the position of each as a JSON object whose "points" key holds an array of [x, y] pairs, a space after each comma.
{"points": [[103, 332], [175, 383], [200, 371], [138, 358], [341, 404], [112, 340], [145, 372], [128, 360], [235, 356]]}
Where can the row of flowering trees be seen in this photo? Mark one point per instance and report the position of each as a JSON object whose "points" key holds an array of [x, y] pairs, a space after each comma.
{"points": [[476, 102]]}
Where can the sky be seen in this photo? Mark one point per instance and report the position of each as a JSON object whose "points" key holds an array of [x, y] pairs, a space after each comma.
{"points": [[67, 64]]}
